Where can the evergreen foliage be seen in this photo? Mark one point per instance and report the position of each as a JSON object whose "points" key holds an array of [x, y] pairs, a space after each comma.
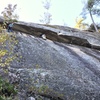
{"points": [[7, 90], [46, 18], [91, 7], [9, 13], [7, 43]]}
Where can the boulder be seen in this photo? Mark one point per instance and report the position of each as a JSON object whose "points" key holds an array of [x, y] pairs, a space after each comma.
{"points": [[50, 70]]}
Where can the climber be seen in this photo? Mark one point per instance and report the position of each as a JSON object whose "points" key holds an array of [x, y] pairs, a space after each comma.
{"points": [[9, 28]]}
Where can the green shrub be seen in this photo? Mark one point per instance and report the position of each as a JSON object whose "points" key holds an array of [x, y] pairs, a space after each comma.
{"points": [[7, 90], [7, 43], [7, 55]]}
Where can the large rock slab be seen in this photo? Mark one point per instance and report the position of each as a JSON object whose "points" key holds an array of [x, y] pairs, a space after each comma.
{"points": [[56, 71], [61, 34]]}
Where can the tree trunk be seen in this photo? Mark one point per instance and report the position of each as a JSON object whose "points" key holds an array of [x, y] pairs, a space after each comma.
{"points": [[93, 21]]}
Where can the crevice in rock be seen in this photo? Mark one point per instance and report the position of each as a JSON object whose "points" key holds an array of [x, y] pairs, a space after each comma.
{"points": [[52, 34]]}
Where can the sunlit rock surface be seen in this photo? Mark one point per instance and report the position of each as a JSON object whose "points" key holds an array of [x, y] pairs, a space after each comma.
{"points": [[57, 71], [65, 66]]}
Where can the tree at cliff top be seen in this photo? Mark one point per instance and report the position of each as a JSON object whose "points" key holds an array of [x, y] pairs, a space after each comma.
{"points": [[91, 7], [9, 13], [80, 24], [46, 18]]}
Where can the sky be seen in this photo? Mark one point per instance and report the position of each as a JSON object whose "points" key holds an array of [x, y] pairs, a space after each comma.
{"points": [[64, 12]]}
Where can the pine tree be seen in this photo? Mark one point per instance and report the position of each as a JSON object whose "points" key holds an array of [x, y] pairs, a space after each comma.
{"points": [[92, 8], [46, 18], [9, 13]]}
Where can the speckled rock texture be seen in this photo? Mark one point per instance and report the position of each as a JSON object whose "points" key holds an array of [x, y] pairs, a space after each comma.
{"points": [[56, 71], [65, 66]]}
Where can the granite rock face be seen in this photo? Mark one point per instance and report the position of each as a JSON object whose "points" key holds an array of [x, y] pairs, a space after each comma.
{"points": [[65, 66], [56, 71]]}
